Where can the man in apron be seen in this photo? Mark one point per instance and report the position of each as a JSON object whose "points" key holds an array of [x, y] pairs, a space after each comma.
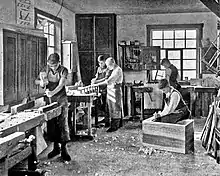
{"points": [[57, 128], [114, 93], [175, 108]]}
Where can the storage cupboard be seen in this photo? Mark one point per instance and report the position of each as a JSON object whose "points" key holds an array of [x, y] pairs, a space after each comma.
{"points": [[96, 35], [23, 56]]}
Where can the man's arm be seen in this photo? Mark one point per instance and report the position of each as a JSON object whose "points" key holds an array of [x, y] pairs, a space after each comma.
{"points": [[167, 74], [174, 101], [62, 83], [58, 88], [94, 80], [115, 75]]}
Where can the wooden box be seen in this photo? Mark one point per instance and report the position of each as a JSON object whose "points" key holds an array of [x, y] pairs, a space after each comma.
{"points": [[167, 136]]}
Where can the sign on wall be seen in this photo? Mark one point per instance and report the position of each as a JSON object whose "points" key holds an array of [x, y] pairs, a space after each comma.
{"points": [[24, 12]]}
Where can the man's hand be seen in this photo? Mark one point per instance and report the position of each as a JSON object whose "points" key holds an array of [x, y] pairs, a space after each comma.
{"points": [[49, 93], [156, 115], [93, 81], [43, 83]]}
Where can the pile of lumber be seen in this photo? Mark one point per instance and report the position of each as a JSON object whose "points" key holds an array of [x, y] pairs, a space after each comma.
{"points": [[208, 132]]}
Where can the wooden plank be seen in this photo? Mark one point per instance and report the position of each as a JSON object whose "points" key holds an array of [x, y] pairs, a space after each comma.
{"points": [[21, 107], [53, 113], [41, 144], [8, 142], [48, 107]]}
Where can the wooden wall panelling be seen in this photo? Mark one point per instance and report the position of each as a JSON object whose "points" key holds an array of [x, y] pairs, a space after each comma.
{"points": [[24, 56], [10, 64], [42, 45], [22, 67]]}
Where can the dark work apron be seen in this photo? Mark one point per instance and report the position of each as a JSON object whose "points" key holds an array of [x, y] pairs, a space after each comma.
{"points": [[57, 128]]}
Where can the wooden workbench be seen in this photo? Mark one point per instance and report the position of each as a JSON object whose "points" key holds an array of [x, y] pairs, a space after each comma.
{"points": [[196, 97], [74, 99], [26, 121]]}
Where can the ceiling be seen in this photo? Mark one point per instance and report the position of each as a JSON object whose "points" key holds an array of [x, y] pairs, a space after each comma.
{"points": [[133, 6]]}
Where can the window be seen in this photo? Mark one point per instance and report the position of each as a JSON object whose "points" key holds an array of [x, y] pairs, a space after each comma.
{"points": [[51, 27], [178, 44]]}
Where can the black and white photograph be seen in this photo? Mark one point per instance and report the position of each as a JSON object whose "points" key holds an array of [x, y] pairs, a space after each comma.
{"points": [[109, 87]]}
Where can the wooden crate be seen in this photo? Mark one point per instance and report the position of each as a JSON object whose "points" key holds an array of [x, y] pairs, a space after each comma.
{"points": [[167, 136]]}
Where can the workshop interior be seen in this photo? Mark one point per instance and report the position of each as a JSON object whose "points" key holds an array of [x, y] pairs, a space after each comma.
{"points": [[73, 72]]}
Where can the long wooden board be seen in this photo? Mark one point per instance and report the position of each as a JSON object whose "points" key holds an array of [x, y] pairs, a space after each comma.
{"points": [[21, 107]]}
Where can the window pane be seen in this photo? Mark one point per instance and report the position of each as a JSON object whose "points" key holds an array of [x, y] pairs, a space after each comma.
{"points": [[190, 43], [51, 27], [45, 24], [173, 54], [189, 74], [190, 33], [157, 43], [179, 34], [189, 64], [179, 44], [176, 63], [50, 50], [168, 34], [168, 43], [51, 40], [157, 34], [162, 54], [189, 54]]}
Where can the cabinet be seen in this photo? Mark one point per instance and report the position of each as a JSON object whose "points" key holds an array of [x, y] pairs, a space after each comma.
{"points": [[137, 58], [23, 56], [96, 35]]}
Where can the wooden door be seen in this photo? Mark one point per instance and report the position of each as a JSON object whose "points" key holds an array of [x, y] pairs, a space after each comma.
{"points": [[95, 36], [104, 36], [10, 82]]}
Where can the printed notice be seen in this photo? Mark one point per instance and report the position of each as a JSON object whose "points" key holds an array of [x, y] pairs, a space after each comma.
{"points": [[24, 9]]}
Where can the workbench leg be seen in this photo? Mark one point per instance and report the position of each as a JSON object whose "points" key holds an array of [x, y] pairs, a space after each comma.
{"points": [[133, 107], [96, 111], [142, 107], [74, 119], [89, 118]]}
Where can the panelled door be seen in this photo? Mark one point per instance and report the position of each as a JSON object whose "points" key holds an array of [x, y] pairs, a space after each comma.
{"points": [[96, 34]]}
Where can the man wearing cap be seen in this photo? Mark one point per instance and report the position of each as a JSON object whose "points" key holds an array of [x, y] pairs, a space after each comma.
{"points": [[114, 92], [58, 130], [175, 108]]}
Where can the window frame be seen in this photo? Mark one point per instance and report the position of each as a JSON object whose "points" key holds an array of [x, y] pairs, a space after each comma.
{"points": [[199, 29], [53, 19]]}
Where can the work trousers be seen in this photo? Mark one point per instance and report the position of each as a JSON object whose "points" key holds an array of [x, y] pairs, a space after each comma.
{"points": [[58, 128], [176, 116]]}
